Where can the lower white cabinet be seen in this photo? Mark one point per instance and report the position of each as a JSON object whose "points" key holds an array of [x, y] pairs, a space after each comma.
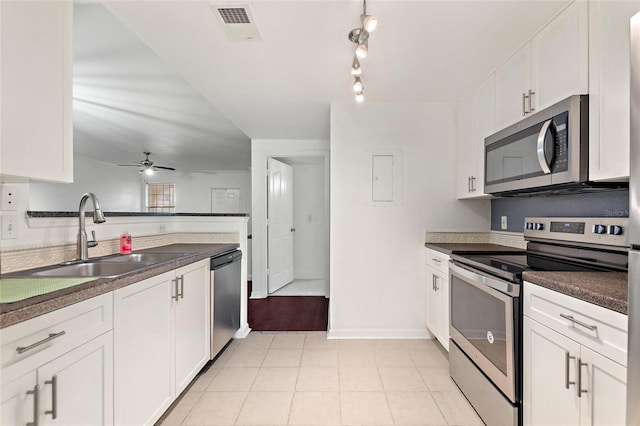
{"points": [[437, 282], [161, 341], [566, 382], [63, 380]]}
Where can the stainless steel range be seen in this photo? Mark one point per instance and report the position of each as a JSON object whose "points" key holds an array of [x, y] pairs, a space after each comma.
{"points": [[485, 351]]}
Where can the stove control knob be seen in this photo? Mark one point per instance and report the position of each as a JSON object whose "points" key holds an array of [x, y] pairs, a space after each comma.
{"points": [[599, 229], [615, 230], [538, 226], [529, 225]]}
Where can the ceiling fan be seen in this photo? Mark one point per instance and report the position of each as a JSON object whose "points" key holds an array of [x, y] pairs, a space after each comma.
{"points": [[146, 165]]}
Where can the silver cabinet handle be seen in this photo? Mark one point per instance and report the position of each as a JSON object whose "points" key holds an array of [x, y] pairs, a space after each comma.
{"points": [[542, 159], [433, 282], [579, 385], [175, 288], [54, 396], [524, 99], [580, 323], [567, 359], [23, 349], [36, 400], [468, 183], [473, 184], [435, 259], [531, 93], [435, 279], [181, 294]]}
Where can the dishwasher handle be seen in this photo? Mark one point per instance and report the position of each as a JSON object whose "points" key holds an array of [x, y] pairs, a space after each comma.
{"points": [[225, 259]]}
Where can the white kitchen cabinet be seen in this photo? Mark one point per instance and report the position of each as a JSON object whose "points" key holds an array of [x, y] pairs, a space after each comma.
{"points": [[75, 364], [36, 85], [609, 88], [562, 356], [477, 122], [161, 341], [549, 68], [437, 303]]}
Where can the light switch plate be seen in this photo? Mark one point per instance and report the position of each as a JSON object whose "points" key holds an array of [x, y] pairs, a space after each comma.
{"points": [[503, 222], [9, 227]]}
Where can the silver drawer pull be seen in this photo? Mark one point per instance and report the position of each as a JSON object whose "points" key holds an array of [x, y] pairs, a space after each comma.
{"points": [[579, 384], [23, 349], [435, 260], [580, 323], [36, 408], [54, 396], [567, 363]]}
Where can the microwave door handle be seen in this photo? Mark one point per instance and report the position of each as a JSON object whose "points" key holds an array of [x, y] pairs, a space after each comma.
{"points": [[541, 157]]}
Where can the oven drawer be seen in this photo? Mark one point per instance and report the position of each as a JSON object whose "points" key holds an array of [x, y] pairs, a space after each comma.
{"points": [[438, 261], [598, 328]]}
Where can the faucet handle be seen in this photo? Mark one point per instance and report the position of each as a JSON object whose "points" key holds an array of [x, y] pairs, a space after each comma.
{"points": [[93, 242]]}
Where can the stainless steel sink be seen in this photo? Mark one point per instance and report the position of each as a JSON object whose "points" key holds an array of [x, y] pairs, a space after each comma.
{"points": [[91, 269], [150, 258]]}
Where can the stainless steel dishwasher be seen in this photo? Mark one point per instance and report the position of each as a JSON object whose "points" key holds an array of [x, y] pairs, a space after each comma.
{"points": [[225, 295]]}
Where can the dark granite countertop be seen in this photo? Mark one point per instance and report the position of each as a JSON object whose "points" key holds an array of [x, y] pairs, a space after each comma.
{"points": [[13, 313], [125, 214], [606, 289], [471, 248]]}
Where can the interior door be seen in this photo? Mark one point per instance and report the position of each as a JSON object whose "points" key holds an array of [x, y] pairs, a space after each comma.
{"points": [[280, 224]]}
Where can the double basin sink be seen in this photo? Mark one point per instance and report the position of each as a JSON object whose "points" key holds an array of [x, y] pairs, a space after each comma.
{"points": [[104, 267]]}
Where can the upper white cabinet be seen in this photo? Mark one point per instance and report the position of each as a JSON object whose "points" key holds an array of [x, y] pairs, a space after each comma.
{"points": [[36, 85], [477, 122], [609, 88], [549, 68], [161, 341]]}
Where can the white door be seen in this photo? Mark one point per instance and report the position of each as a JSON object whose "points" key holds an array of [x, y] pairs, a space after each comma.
{"points": [[280, 224]]}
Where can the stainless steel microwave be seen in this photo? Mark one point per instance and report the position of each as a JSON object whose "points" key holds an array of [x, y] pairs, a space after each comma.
{"points": [[547, 150]]}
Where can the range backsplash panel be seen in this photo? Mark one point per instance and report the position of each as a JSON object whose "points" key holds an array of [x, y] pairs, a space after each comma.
{"points": [[598, 204]]}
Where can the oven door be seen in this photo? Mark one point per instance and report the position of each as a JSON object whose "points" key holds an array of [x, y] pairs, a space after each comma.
{"points": [[484, 322]]}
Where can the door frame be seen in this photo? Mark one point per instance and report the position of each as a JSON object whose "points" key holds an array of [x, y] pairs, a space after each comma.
{"points": [[260, 151]]}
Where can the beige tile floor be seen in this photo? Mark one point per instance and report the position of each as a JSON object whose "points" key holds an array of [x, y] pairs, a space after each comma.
{"points": [[305, 379]]}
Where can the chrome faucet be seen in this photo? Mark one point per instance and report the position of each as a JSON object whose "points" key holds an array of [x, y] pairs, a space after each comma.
{"points": [[98, 217]]}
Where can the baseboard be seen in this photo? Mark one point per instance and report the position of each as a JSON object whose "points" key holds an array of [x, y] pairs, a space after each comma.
{"points": [[242, 332], [359, 333]]}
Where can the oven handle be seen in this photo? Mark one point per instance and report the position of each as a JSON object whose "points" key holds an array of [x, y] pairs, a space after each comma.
{"points": [[506, 287]]}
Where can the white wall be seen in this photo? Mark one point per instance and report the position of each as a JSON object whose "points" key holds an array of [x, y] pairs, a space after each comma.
{"points": [[309, 221], [377, 252], [121, 189]]}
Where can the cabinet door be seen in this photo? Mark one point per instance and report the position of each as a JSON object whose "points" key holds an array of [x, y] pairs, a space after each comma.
{"points": [[560, 57], [192, 322], [466, 149], [513, 79], [609, 88], [433, 305], [546, 398], [16, 405], [143, 350], [37, 90], [606, 384], [442, 289], [82, 381], [484, 125]]}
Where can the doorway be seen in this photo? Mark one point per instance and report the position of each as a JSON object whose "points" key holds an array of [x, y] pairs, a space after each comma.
{"points": [[296, 227]]}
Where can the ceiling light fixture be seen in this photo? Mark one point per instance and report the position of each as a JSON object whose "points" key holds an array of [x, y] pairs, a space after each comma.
{"points": [[360, 37]]}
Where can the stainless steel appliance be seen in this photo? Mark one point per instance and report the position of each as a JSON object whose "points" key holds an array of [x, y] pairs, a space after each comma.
{"points": [[225, 299], [633, 366], [485, 350]]}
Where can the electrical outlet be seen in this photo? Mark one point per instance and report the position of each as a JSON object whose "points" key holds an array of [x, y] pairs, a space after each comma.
{"points": [[162, 228], [9, 227], [503, 222], [9, 198]]}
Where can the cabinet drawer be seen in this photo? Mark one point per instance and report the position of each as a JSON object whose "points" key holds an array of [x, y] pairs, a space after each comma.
{"points": [[438, 261], [598, 328], [56, 332]]}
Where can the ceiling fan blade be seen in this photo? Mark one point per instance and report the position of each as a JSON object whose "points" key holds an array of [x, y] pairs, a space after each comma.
{"points": [[129, 165], [164, 168]]}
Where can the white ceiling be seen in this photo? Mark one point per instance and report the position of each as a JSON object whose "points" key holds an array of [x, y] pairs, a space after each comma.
{"points": [[199, 104]]}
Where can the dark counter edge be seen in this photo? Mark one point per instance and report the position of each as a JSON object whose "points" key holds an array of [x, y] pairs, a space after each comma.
{"points": [[34, 214], [471, 248], [22, 310]]}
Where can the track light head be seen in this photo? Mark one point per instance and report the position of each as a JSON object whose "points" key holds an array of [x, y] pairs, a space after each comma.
{"points": [[362, 49], [355, 66], [369, 23], [360, 96], [357, 85]]}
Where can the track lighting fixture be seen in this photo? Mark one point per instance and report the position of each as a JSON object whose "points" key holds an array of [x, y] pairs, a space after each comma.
{"points": [[357, 85], [355, 67], [360, 37]]}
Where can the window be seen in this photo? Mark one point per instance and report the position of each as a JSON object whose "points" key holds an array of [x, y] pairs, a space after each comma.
{"points": [[161, 197]]}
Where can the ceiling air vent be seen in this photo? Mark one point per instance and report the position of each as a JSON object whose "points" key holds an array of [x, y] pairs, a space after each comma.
{"points": [[237, 22]]}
